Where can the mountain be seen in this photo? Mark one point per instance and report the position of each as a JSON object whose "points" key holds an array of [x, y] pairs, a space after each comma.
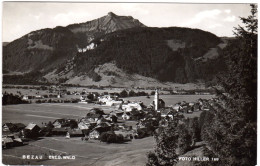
{"points": [[167, 54], [39, 50], [5, 43], [45, 49], [114, 50], [86, 32]]}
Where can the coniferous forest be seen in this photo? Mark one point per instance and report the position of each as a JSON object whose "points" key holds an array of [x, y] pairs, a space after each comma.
{"points": [[229, 129]]}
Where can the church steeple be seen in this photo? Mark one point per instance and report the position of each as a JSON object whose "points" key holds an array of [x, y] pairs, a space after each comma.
{"points": [[156, 100]]}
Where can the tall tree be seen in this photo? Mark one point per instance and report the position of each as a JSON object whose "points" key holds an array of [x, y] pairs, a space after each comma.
{"points": [[232, 133], [166, 145], [184, 139], [195, 130]]}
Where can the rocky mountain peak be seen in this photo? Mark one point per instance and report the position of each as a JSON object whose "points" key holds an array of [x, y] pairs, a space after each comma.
{"points": [[111, 14], [111, 22]]}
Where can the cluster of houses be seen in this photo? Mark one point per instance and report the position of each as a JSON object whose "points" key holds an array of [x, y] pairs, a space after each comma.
{"points": [[91, 46], [96, 122], [110, 100], [28, 97], [53, 92], [15, 134]]}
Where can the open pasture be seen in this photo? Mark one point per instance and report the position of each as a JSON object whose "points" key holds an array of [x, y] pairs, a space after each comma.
{"points": [[86, 152], [38, 113], [170, 99]]}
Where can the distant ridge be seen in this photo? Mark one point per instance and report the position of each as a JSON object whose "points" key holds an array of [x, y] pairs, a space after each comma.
{"points": [[82, 54]]}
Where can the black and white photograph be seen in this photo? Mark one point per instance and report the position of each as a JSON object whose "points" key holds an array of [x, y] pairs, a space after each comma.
{"points": [[129, 84]]}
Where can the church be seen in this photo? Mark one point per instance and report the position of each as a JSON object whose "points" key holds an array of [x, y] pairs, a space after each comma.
{"points": [[157, 102]]}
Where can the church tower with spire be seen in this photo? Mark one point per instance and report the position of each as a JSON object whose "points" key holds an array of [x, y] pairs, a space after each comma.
{"points": [[156, 100]]}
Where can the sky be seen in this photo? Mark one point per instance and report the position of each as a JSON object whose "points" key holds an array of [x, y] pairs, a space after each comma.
{"points": [[20, 18]]}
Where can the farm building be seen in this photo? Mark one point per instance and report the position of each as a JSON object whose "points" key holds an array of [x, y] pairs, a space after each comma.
{"points": [[59, 123], [126, 116], [32, 127], [25, 97], [7, 142], [31, 131], [59, 131], [19, 126], [8, 128], [95, 114], [82, 125], [167, 112], [75, 133], [94, 134]]}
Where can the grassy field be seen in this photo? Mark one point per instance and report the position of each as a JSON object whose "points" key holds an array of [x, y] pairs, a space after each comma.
{"points": [[86, 152], [170, 99], [38, 113]]}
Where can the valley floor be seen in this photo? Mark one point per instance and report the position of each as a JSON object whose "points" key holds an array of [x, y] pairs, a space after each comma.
{"points": [[92, 152]]}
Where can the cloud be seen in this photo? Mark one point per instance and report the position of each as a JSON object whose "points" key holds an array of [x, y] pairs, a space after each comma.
{"points": [[201, 16], [36, 16], [227, 11], [215, 26], [230, 19]]}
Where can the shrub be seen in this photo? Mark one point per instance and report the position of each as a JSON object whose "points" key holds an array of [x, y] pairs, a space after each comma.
{"points": [[111, 137], [123, 93], [119, 138], [103, 137], [132, 93], [38, 101]]}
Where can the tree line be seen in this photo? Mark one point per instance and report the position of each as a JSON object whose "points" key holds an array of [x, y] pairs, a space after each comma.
{"points": [[229, 127]]}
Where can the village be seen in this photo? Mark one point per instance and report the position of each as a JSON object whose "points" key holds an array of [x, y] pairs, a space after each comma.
{"points": [[126, 120]]}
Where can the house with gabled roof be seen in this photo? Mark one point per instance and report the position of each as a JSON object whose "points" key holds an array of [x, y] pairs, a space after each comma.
{"points": [[126, 116], [82, 125], [58, 123], [94, 134], [167, 112], [19, 126], [7, 142], [100, 128], [95, 114], [9, 128], [32, 127], [31, 130]]}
